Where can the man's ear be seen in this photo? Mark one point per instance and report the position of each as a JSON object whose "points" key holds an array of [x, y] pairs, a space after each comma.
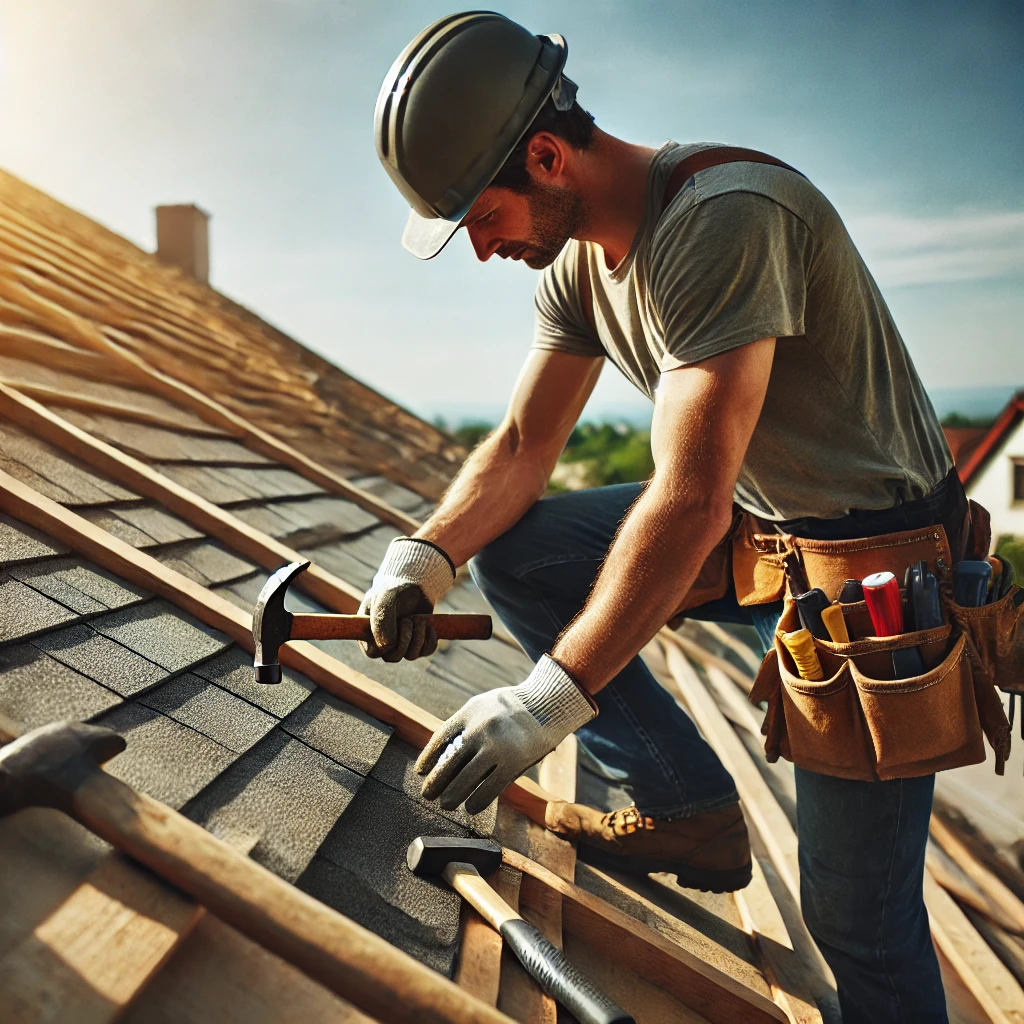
{"points": [[546, 158]]}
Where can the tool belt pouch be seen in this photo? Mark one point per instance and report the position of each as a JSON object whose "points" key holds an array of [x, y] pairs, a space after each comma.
{"points": [[859, 721], [995, 639]]}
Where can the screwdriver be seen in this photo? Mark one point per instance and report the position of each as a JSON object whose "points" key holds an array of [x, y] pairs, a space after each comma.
{"points": [[882, 594]]}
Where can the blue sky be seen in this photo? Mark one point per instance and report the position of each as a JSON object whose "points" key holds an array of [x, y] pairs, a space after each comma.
{"points": [[906, 114]]}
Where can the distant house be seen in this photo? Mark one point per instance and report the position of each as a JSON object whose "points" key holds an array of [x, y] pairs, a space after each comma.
{"points": [[993, 472]]}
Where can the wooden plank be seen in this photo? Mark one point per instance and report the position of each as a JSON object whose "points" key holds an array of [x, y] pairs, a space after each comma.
{"points": [[89, 958], [537, 903], [220, 975], [204, 515], [36, 347], [793, 979], [986, 880], [948, 873], [90, 403], [695, 651], [981, 971], [698, 984]]}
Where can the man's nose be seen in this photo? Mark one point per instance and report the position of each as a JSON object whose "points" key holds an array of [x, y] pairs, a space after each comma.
{"points": [[484, 247]]}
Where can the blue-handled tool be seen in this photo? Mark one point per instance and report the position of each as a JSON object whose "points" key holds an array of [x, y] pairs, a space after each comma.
{"points": [[970, 583]]}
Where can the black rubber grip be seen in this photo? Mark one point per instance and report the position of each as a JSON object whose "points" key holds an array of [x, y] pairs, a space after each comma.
{"points": [[547, 965]]}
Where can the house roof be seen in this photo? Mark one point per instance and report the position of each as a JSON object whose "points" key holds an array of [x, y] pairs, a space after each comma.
{"points": [[161, 451], [991, 442]]}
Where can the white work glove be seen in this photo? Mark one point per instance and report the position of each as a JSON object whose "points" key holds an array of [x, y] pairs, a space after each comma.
{"points": [[413, 577], [497, 735]]}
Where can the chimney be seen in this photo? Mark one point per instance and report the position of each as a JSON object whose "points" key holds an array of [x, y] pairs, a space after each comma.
{"points": [[182, 239]]}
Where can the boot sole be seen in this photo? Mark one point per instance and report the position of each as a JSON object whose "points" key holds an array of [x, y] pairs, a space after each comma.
{"points": [[687, 876]]}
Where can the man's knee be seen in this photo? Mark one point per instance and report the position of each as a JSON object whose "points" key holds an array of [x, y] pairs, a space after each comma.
{"points": [[517, 546]]}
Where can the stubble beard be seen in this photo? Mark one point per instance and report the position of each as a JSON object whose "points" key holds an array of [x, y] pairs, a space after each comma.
{"points": [[556, 213]]}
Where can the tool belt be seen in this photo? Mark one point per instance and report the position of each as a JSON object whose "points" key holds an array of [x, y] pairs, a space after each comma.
{"points": [[859, 721]]}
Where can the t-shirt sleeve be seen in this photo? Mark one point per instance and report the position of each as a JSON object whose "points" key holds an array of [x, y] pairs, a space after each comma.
{"points": [[730, 271], [559, 323]]}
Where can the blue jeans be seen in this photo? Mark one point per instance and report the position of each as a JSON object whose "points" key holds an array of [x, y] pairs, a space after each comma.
{"points": [[862, 844]]}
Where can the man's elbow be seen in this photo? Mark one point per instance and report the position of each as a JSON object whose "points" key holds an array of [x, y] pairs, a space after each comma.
{"points": [[706, 513]]}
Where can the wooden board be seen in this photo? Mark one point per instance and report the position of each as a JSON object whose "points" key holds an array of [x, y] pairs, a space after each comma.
{"points": [[89, 958], [713, 993], [981, 971]]}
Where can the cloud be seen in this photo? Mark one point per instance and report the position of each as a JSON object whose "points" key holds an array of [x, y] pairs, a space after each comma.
{"points": [[969, 246]]}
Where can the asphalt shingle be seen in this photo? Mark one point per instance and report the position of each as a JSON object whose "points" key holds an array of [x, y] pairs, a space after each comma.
{"points": [[20, 543], [165, 759], [81, 648], [231, 721], [163, 634], [24, 611], [79, 585], [344, 733], [284, 792], [35, 689], [233, 671]]}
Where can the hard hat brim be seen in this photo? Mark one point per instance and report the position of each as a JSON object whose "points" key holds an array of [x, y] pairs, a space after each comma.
{"points": [[425, 237]]}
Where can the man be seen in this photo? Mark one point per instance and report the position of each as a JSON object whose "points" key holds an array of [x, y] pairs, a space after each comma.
{"points": [[737, 302]]}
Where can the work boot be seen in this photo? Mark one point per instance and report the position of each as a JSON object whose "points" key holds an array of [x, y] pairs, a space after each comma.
{"points": [[709, 851]]}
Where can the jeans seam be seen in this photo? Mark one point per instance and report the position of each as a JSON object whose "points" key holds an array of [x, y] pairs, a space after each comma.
{"points": [[546, 563], [885, 901]]}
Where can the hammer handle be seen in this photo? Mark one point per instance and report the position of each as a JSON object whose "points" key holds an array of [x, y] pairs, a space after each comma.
{"points": [[349, 960], [357, 627], [543, 960]]}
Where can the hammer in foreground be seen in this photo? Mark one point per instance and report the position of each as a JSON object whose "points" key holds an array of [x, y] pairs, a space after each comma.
{"points": [[273, 625], [58, 766], [462, 863]]}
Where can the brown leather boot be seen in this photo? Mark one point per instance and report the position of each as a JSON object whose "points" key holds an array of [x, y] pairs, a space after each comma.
{"points": [[709, 851]]}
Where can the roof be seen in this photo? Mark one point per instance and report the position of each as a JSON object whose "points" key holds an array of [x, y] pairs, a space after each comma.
{"points": [[991, 442], [962, 441], [148, 484]]}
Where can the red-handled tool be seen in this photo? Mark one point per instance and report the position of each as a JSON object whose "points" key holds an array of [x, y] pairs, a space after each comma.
{"points": [[885, 606]]}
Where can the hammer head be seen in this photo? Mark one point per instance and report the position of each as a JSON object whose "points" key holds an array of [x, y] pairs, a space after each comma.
{"points": [[430, 855], [45, 766], [271, 624]]}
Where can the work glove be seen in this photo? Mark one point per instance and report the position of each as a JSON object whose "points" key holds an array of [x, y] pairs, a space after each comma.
{"points": [[413, 577], [497, 735]]}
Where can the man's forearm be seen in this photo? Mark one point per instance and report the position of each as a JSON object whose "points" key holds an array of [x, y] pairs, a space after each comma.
{"points": [[651, 565], [495, 487]]}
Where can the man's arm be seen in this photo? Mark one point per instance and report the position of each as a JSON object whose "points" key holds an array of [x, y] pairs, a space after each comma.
{"points": [[704, 417], [509, 471]]}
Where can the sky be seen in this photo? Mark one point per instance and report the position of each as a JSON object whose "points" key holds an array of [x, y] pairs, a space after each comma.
{"points": [[908, 115]]}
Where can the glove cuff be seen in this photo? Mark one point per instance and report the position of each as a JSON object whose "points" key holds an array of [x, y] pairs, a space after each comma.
{"points": [[554, 698], [409, 560]]}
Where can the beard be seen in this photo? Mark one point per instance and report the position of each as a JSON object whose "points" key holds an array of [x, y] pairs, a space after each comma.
{"points": [[556, 212]]}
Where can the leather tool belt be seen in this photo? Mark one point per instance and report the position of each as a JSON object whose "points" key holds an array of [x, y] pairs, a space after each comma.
{"points": [[859, 721]]}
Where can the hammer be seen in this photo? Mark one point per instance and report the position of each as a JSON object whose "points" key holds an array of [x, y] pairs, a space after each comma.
{"points": [[58, 766], [462, 864], [273, 625]]}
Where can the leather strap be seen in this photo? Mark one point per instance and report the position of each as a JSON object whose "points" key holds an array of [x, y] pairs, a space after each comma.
{"points": [[705, 158]]}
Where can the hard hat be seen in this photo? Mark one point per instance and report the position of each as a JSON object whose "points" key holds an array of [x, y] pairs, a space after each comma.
{"points": [[451, 110]]}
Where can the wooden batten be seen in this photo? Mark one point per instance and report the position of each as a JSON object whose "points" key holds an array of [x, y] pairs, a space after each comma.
{"points": [[694, 982], [125, 469]]}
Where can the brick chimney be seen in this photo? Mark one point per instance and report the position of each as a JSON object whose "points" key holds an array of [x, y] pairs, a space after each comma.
{"points": [[182, 239]]}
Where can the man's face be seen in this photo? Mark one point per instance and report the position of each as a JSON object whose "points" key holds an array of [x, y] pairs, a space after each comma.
{"points": [[531, 226]]}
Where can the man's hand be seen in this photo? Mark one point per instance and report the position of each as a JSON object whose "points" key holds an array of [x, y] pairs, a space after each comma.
{"points": [[413, 577], [497, 735]]}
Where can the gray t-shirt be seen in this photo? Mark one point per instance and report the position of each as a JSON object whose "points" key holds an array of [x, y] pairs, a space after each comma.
{"points": [[747, 251]]}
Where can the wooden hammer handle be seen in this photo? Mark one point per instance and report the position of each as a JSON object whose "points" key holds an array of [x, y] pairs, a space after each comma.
{"points": [[357, 627], [359, 966]]}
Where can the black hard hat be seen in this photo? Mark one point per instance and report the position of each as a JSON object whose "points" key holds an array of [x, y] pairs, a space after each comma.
{"points": [[451, 110]]}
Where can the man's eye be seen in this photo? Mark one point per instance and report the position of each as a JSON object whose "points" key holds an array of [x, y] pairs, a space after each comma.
{"points": [[486, 217]]}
